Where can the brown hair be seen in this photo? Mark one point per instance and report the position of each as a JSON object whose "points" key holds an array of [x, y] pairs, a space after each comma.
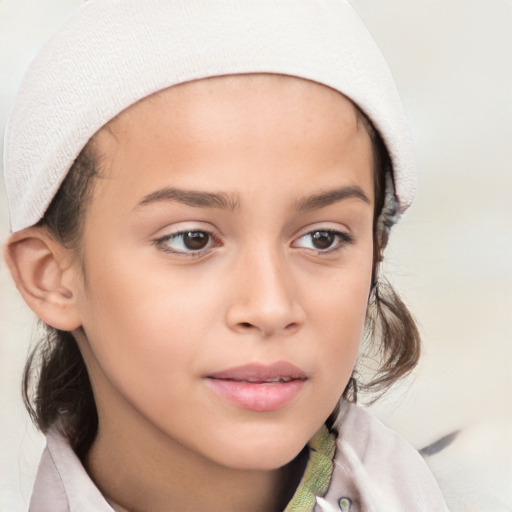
{"points": [[56, 384]]}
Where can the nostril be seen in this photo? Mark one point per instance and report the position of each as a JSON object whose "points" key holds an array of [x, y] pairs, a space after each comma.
{"points": [[289, 329]]}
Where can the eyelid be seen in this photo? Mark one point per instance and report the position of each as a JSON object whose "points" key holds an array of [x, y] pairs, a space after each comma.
{"points": [[344, 238], [160, 241]]}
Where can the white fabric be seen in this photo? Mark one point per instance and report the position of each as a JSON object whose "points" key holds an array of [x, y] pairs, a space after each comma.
{"points": [[375, 470], [113, 53]]}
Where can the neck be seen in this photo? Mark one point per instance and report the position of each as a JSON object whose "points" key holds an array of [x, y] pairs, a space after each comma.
{"points": [[142, 469]]}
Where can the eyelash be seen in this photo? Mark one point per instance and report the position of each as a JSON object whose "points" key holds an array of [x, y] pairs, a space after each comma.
{"points": [[343, 238], [162, 243]]}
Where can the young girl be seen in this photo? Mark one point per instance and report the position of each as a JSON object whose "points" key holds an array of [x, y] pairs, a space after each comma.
{"points": [[200, 195]]}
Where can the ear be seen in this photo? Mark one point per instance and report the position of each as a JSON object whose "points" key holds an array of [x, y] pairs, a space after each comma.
{"points": [[44, 275]]}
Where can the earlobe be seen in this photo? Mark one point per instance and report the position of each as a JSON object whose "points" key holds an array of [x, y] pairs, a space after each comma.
{"points": [[41, 269]]}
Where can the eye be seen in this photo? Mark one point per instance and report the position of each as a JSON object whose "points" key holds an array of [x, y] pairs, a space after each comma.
{"points": [[187, 242], [327, 240]]}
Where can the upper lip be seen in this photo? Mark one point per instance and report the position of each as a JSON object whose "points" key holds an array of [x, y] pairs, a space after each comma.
{"points": [[257, 372]]}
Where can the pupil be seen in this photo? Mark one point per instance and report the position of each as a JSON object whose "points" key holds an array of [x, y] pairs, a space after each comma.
{"points": [[323, 239], [195, 240]]}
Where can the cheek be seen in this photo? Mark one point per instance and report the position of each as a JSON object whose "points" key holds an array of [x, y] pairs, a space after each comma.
{"points": [[145, 327], [339, 301], [338, 309]]}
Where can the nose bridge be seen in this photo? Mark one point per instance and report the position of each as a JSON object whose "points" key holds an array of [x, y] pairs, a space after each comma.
{"points": [[264, 296]]}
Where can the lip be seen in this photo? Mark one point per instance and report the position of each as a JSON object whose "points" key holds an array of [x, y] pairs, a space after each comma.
{"points": [[259, 387]]}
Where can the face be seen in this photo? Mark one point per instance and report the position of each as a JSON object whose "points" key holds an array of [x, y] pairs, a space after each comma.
{"points": [[226, 265]]}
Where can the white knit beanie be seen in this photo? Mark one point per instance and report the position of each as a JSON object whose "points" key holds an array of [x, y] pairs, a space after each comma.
{"points": [[113, 53]]}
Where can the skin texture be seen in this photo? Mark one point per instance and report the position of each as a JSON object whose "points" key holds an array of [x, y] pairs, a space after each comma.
{"points": [[155, 320]]}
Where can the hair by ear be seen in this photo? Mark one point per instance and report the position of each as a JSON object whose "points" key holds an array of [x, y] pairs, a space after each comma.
{"points": [[44, 275]]}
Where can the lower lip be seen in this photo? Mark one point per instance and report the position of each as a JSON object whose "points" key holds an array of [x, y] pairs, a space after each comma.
{"points": [[257, 396]]}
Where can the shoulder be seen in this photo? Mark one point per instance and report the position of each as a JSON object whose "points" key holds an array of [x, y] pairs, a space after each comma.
{"points": [[62, 484], [368, 436], [375, 469]]}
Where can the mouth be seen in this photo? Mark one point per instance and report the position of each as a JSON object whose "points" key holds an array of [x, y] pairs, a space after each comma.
{"points": [[259, 387]]}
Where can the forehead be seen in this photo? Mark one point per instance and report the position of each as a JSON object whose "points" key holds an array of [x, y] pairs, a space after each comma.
{"points": [[233, 125], [241, 90]]}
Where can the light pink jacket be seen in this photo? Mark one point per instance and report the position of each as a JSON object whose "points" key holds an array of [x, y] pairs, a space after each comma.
{"points": [[369, 469]]}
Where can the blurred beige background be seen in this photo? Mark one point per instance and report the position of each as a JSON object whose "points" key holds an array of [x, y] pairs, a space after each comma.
{"points": [[450, 257]]}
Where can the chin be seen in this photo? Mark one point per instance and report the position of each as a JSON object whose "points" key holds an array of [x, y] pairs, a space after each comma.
{"points": [[267, 453], [267, 461]]}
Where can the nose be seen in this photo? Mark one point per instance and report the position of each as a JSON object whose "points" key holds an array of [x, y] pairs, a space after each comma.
{"points": [[264, 298]]}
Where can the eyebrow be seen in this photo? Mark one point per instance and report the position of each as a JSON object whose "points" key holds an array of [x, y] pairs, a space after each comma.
{"points": [[231, 202], [323, 199], [192, 198]]}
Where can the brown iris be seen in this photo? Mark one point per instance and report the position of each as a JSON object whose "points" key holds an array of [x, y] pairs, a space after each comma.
{"points": [[195, 240], [322, 239]]}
